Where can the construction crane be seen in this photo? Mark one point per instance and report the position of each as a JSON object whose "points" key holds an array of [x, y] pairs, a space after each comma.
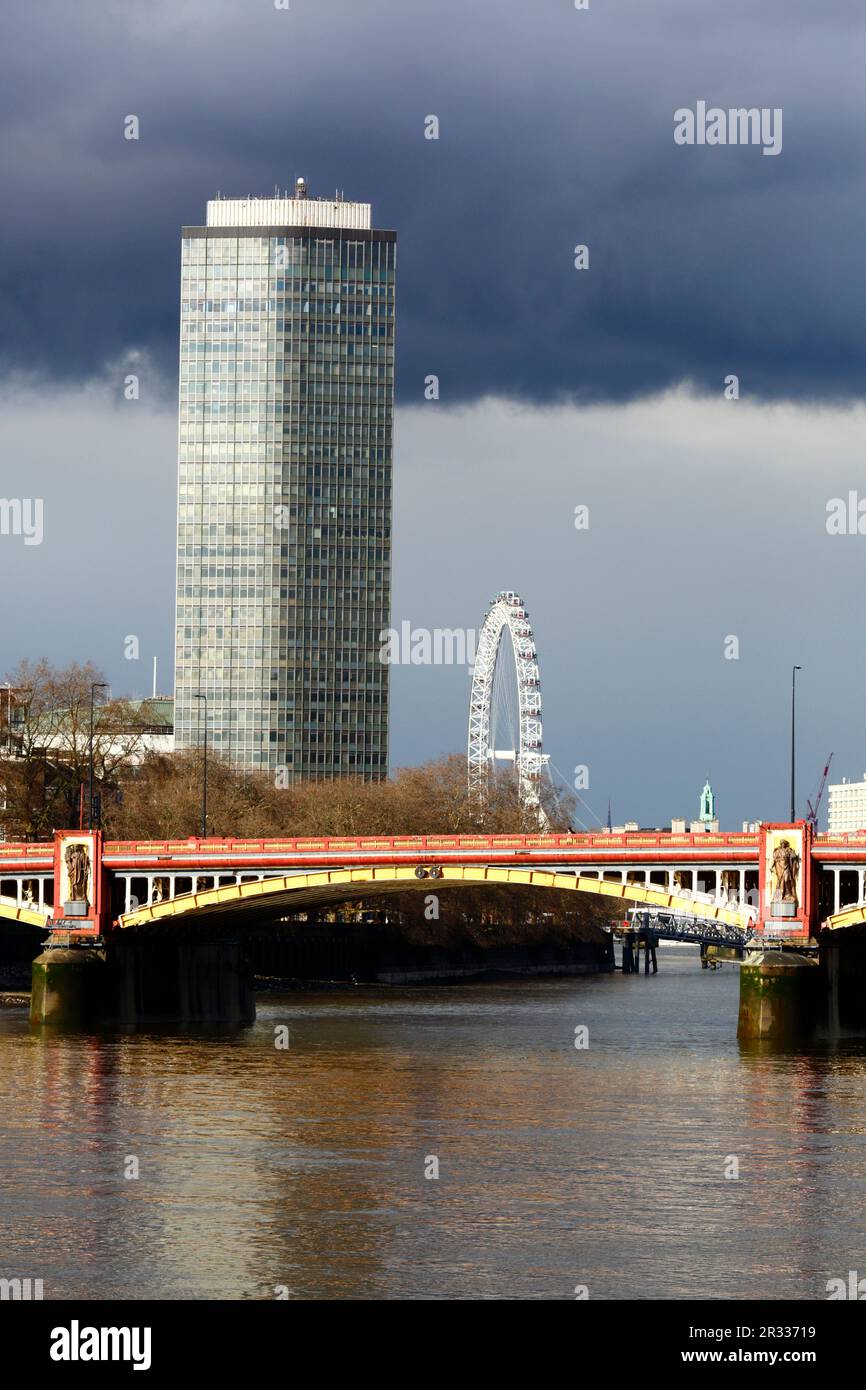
{"points": [[812, 813]]}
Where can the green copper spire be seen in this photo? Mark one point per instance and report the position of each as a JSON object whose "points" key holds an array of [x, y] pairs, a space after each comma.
{"points": [[708, 804]]}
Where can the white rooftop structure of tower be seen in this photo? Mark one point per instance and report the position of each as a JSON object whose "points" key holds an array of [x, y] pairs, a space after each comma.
{"points": [[289, 210]]}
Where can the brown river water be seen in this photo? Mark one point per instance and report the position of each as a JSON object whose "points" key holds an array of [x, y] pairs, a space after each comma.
{"points": [[302, 1169]]}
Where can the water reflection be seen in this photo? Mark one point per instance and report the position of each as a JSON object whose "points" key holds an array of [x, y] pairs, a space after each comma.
{"points": [[305, 1167]]}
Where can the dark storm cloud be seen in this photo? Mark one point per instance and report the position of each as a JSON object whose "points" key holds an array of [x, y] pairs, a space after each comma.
{"points": [[556, 129]]}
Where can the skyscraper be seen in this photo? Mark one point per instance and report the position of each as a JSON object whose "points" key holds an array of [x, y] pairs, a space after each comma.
{"points": [[284, 485]]}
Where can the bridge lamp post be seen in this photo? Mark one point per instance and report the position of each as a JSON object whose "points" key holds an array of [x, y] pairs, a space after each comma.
{"points": [[793, 733], [203, 698], [95, 685]]}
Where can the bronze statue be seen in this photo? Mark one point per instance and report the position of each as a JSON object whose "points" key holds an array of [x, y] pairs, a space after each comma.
{"points": [[786, 866], [78, 870]]}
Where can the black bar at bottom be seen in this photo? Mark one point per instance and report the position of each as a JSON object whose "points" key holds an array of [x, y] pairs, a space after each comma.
{"points": [[55, 1340]]}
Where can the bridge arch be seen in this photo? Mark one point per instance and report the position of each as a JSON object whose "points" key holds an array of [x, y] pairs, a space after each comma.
{"points": [[327, 887], [13, 911]]}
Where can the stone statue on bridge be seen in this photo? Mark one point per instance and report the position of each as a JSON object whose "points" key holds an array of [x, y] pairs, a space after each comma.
{"points": [[78, 871], [786, 867]]}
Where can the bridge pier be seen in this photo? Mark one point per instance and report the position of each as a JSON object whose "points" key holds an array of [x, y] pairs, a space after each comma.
{"points": [[175, 977], [843, 962], [780, 996], [144, 979], [69, 986]]}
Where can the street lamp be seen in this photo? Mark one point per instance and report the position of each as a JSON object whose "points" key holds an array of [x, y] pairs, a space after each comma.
{"points": [[203, 698], [94, 686], [793, 730]]}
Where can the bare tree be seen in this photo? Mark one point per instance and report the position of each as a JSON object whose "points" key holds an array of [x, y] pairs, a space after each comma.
{"points": [[162, 798], [46, 765]]}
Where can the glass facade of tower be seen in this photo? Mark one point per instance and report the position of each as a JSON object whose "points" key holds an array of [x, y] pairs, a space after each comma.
{"points": [[284, 487]]}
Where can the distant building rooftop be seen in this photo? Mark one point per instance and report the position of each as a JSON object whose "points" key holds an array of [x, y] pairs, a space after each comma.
{"points": [[847, 806], [159, 710], [156, 712]]}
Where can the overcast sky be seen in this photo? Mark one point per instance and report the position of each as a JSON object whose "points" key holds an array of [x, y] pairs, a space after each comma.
{"points": [[559, 387]]}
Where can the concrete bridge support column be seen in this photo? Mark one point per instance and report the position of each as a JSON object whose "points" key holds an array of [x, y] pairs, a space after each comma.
{"points": [[70, 986], [843, 967], [143, 980], [177, 978], [780, 996]]}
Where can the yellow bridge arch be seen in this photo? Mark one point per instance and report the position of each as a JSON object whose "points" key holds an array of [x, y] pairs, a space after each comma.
{"points": [[13, 911], [853, 916], [327, 887]]}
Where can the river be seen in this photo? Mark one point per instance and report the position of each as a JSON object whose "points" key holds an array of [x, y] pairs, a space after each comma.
{"points": [[302, 1169]]}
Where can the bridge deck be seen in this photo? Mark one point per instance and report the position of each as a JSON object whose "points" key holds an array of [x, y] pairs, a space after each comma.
{"points": [[630, 848]]}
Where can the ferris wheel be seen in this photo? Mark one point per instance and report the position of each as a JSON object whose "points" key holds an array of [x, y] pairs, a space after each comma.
{"points": [[505, 704]]}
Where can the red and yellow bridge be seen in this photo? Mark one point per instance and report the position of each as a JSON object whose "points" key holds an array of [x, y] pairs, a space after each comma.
{"points": [[725, 877]]}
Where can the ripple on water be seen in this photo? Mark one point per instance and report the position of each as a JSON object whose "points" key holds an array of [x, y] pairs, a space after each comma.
{"points": [[306, 1167]]}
